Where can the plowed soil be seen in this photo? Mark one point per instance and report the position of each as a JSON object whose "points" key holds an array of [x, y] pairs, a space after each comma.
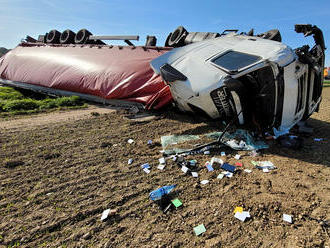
{"points": [[57, 178]]}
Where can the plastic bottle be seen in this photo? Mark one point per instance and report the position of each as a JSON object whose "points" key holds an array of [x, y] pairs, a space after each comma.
{"points": [[158, 193]]}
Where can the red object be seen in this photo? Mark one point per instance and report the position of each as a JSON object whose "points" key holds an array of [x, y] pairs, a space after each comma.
{"points": [[238, 164], [110, 72]]}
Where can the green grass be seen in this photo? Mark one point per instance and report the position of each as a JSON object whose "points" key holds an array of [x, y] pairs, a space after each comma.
{"points": [[326, 83], [13, 102]]}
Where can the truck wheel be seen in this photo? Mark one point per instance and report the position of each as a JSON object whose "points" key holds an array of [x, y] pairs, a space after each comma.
{"points": [[53, 37], [176, 38], [67, 37], [82, 36]]}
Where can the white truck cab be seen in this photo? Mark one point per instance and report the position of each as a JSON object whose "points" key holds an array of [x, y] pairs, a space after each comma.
{"points": [[253, 79]]}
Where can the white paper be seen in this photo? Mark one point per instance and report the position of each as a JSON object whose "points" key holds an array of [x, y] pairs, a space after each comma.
{"points": [[105, 214], [146, 170], [207, 152], [184, 169], [242, 216], [248, 171], [174, 158], [205, 182], [237, 156], [194, 174], [265, 170], [287, 218], [161, 167], [130, 141], [220, 176], [161, 160], [130, 161], [223, 154]]}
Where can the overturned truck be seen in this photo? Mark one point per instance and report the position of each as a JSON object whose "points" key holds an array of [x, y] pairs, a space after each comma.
{"points": [[250, 78]]}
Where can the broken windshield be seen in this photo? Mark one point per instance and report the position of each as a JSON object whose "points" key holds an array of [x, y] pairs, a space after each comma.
{"points": [[234, 61]]}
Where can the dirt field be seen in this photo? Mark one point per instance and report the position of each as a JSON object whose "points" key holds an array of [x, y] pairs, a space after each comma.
{"points": [[66, 173]]}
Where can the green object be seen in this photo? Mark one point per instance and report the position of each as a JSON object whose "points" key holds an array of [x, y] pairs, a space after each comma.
{"points": [[254, 163], [176, 202], [199, 229]]}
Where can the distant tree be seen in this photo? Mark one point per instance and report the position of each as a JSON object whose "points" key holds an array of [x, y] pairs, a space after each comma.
{"points": [[3, 51]]}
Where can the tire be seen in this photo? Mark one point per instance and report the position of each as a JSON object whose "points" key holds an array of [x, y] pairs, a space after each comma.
{"points": [[177, 37], [67, 37], [82, 36], [53, 37]]}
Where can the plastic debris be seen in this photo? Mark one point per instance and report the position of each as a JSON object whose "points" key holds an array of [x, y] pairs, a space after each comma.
{"points": [[130, 141], [237, 156], [184, 169], [194, 174], [146, 170], [248, 171], [106, 213], [145, 166], [228, 167], [177, 203], [242, 216], [264, 165], [159, 193], [174, 158], [227, 174], [287, 218], [161, 160], [239, 164], [206, 152], [223, 154], [220, 176], [130, 161], [254, 153], [216, 161], [199, 229], [193, 162], [205, 182], [161, 166], [149, 142], [265, 170], [238, 209], [209, 167]]}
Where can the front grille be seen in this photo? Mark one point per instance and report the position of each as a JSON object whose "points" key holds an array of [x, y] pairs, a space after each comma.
{"points": [[300, 98], [221, 99]]}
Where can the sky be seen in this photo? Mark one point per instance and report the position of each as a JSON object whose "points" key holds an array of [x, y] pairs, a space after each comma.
{"points": [[19, 18]]}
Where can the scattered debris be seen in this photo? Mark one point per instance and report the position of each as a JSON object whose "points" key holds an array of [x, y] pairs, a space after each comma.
{"points": [[287, 218], [264, 165], [130, 161], [145, 166], [205, 182], [161, 160], [161, 166], [254, 153], [220, 176], [194, 174], [227, 173], [209, 167], [228, 167], [146, 170], [107, 212], [177, 203], [184, 169], [238, 209], [239, 164], [159, 193], [130, 141], [223, 154], [248, 171], [149, 142], [199, 229], [207, 153], [216, 161], [242, 216], [237, 156]]}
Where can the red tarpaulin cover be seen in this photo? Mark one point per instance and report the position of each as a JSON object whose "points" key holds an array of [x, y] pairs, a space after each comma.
{"points": [[111, 72]]}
